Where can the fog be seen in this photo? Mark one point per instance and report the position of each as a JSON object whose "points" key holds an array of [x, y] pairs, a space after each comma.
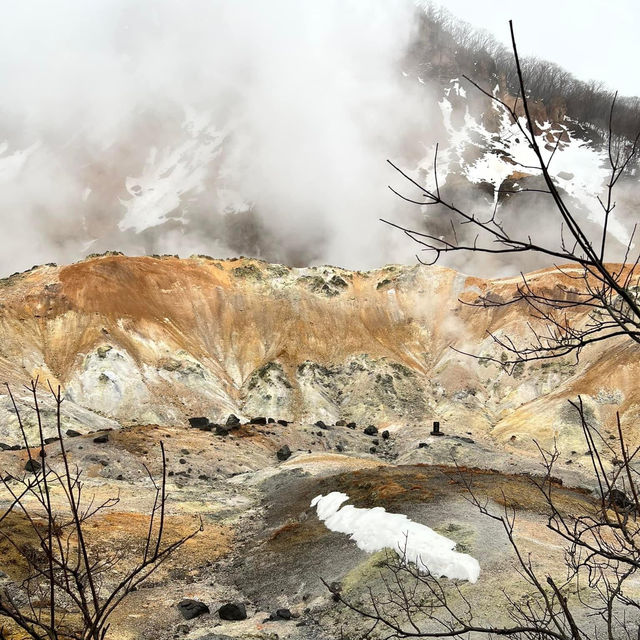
{"points": [[222, 128], [285, 111]]}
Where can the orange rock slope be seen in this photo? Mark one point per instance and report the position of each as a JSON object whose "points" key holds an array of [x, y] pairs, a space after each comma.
{"points": [[156, 340]]}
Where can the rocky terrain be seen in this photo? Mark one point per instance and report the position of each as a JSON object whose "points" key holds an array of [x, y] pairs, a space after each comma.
{"points": [[307, 381]]}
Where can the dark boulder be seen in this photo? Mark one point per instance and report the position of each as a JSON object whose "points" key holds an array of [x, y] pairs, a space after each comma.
{"points": [[423, 445], [101, 439], [192, 609], [72, 433], [224, 429], [198, 423], [281, 614], [340, 423], [351, 425], [284, 423], [385, 435], [32, 466], [284, 453], [233, 420], [4, 446], [233, 611], [619, 500], [371, 430], [259, 420], [51, 440], [271, 421], [321, 424]]}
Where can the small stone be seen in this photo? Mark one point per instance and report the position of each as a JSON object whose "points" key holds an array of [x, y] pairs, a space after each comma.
{"points": [[284, 453], [50, 440], [101, 439], [351, 425], [223, 429], [284, 423], [271, 421], [72, 433], [371, 430], [192, 608], [340, 423], [233, 611], [423, 445], [321, 424], [283, 614], [385, 434], [372, 450], [233, 420], [32, 466], [259, 420], [198, 423]]}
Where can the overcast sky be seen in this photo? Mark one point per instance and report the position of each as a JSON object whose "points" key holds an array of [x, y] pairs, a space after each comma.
{"points": [[594, 39]]}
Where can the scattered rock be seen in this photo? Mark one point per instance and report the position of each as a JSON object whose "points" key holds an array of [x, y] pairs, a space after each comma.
{"points": [[192, 608], [259, 420], [371, 430], [271, 421], [321, 424], [32, 466], [619, 500], [372, 450], [284, 423], [223, 429], [284, 453], [50, 440], [4, 447], [233, 611], [341, 423], [72, 433], [385, 434], [198, 423], [233, 420], [351, 425], [423, 445], [281, 614], [101, 439]]}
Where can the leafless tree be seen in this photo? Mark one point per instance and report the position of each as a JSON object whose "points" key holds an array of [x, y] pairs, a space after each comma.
{"points": [[593, 598], [601, 300], [70, 586]]}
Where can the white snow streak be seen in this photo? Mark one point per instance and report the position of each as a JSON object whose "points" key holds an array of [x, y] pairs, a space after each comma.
{"points": [[376, 529]]}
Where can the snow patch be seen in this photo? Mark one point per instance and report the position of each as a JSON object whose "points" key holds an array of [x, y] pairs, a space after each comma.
{"points": [[376, 529]]}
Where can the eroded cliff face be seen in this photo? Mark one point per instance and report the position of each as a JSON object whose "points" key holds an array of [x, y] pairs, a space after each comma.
{"points": [[157, 340]]}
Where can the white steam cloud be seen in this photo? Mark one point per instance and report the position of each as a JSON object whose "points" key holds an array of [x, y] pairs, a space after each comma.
{"points": [[138, 125]]}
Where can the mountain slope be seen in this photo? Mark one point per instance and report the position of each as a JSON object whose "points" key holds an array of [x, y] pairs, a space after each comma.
{"points": [[158, 340]]}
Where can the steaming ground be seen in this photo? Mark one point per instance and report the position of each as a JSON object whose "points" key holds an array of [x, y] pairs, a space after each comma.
{"points": [[258, 128]]}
